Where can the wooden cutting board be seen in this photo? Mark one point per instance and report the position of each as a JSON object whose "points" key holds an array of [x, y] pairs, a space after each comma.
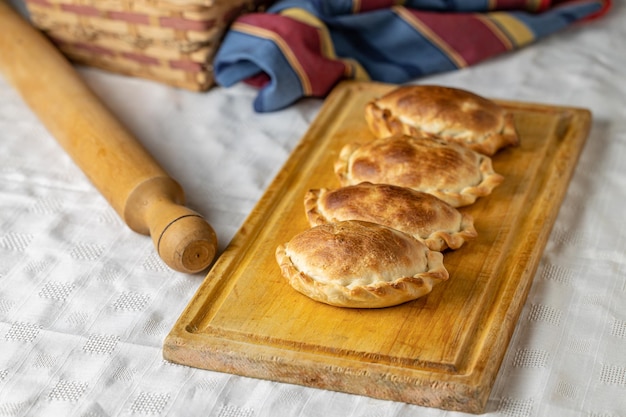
{"points": [[443, 350]]}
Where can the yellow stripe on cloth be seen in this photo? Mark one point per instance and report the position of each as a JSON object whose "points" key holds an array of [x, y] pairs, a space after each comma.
{"points": [[278, 41], [516, 31], [496, 30], [301, 15], [354, 70], [535, 5], [408, 17], [356, 6]]}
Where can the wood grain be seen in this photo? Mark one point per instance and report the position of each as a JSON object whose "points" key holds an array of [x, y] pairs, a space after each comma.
{"points": [[443, 350]]}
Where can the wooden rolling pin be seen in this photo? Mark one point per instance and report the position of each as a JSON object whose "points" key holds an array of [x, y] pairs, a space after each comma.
{"points": [[140, 191]]}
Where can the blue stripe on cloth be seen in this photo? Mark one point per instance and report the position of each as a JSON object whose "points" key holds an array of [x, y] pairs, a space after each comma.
{"points": [[553, 20], [332, 8], [448, 5], [325, 8], [249, 55], [389, 48], [340, 7]]}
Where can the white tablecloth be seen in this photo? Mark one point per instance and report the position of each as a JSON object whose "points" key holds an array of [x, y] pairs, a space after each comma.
{"points": [[85, 303]]}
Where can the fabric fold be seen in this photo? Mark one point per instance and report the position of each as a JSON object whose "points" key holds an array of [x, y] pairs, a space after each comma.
{"points": [[303, 48]]}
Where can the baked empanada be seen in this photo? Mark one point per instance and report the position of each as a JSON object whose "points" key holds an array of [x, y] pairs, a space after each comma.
{"points": [[359, 264], [421, 215], [453, 114], [451, 172]]}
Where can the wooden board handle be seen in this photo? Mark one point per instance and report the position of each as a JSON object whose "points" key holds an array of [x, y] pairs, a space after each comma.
{"points": [[140, 191]]}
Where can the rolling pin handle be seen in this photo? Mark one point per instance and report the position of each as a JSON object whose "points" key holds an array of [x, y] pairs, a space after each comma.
{"points": [[183, 239], [187, 244]]}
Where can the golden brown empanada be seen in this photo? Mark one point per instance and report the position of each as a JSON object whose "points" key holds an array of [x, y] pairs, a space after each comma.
{"points": [[453, 114], [451, 172], [422, 215], [359, 264]]}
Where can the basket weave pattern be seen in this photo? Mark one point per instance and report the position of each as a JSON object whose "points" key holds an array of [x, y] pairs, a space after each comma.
{"points": [[171, 41]]}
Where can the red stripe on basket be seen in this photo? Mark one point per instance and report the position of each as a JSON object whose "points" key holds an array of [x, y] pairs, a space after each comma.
{"points": [[44, 3], [142, 19], [81, 10], [143, 59], [87, 47], [186, 24], [188, 66]]}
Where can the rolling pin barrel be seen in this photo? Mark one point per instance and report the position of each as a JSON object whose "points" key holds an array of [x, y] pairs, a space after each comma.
{"points": [[148, 200]]}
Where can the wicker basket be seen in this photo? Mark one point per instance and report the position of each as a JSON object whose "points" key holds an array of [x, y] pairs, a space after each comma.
{"points": [[170, 41]]}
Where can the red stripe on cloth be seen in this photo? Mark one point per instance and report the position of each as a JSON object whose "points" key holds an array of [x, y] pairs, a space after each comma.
{"points": [[545, 5], [467, 35], [605, 6], [259, 80], [301, 42], [604, 10], [527, 5], [369, 5], [538, 6]]}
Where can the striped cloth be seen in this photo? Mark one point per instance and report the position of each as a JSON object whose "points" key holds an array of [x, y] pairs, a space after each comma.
{"points": [[303, 48]]}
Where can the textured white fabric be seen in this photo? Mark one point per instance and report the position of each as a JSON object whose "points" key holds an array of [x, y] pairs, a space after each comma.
{"points": [[85, 304]]}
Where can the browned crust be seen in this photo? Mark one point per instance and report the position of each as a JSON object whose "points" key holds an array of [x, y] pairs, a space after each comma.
{"points": [[420, 161], [452, 114], [422, 215], [374, 295]]}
